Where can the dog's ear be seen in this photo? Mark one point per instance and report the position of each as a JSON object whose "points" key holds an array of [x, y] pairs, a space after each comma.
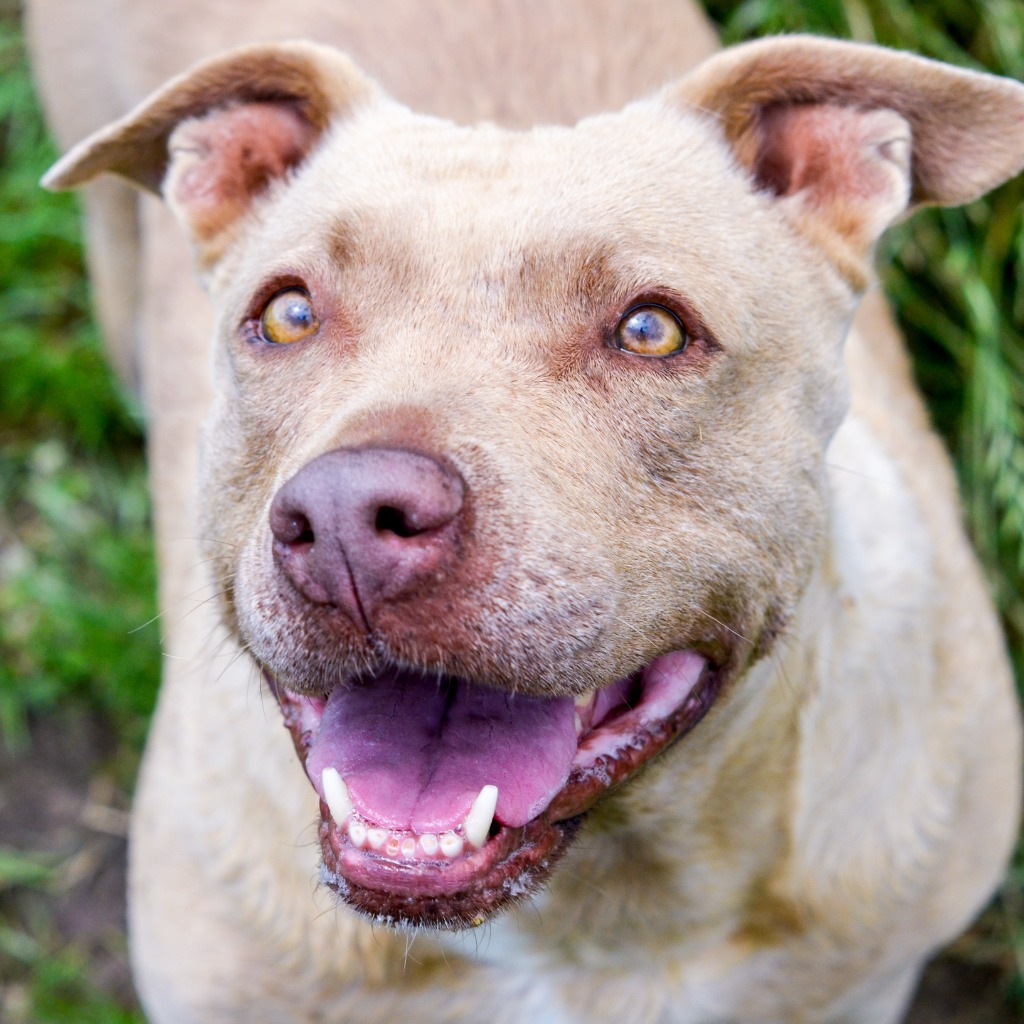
{"points": [[217, 136], [851, 136]]}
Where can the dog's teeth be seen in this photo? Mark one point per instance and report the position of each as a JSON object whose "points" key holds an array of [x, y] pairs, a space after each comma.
{"points": [[451, 844], [336, 794], [584, 700], [475, 827], [405, 845], [357, 834], [481, 814]]}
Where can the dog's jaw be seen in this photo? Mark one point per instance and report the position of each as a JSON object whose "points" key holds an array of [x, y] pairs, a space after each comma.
{"points": [[470, 868]]}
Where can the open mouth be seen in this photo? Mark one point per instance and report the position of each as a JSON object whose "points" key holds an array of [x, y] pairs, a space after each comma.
{"points": [[443, 801]]}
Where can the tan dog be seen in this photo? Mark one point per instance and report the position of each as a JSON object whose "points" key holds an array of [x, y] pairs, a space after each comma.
{"points": [[537, 486]]}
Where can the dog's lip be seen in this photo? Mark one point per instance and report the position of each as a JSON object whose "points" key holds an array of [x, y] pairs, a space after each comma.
{"points": [[461, 891], [513, 864]]}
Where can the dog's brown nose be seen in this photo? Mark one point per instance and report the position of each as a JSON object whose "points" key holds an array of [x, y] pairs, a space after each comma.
{"points": [[356, 528]]}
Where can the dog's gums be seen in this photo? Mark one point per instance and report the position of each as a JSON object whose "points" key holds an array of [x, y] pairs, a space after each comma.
{"points": [[443, 800]]}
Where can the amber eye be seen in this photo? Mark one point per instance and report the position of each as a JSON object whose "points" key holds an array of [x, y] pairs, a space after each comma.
{"points": [[651, 331], [288, 317]]}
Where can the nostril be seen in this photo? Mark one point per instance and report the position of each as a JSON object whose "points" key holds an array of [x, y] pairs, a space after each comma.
{"points": [[393, 520], [294, 529], [357, 528]]}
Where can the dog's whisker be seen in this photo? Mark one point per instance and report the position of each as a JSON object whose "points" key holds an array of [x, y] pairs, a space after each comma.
{"points": [[224, 641], [482, 937], [410, 940], [777, 657], [149, 622], [444, 960], [222, 542], [198, 606], [724, 625], [632, 626], [853, 472], [213, 582]]}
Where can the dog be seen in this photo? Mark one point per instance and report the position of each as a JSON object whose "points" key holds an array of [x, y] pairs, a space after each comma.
{"points": [[612, 590]]}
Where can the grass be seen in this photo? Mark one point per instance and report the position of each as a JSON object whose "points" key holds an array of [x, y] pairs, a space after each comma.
{"points": [[76, 564], [76, 568]]}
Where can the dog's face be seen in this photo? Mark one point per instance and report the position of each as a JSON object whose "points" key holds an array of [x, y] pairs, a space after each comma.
{"points": [[526, 451], [517, 458]]}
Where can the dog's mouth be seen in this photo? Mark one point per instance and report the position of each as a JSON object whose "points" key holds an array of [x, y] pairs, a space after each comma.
{"points": [[443, 801]]}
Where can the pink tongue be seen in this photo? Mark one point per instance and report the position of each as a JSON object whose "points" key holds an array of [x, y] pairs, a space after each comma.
{"points": [[415, 751]]}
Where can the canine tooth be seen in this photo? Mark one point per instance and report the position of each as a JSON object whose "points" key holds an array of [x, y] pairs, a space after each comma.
{"points": [[336, 794], [451, 844], [376, 837], [584, 700], [428, 843], [357, 833], [578, 722], [478, 822]]}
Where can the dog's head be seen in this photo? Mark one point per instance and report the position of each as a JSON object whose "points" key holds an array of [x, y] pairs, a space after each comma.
{"points": [[517, 456]]}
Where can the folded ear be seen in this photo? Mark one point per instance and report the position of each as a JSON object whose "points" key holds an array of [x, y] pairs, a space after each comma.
{"points": [[850, 136], [217, 136]]}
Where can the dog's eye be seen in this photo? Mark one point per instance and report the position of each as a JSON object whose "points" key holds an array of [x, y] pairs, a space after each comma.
{"points": [[288, 317], [651, 331]]}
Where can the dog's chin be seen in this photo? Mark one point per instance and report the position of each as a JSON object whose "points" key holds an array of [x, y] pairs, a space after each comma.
{"points": [[444, 801]]}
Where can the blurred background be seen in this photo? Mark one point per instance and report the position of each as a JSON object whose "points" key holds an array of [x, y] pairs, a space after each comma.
{"points": [[79, 644]]}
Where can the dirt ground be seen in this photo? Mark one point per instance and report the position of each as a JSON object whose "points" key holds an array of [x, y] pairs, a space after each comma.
{"points": [[60, 802]]}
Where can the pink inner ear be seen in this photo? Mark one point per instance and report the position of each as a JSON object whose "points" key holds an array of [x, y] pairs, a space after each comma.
{"points": [[851, 165], [222, 161], [829, 150]]}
